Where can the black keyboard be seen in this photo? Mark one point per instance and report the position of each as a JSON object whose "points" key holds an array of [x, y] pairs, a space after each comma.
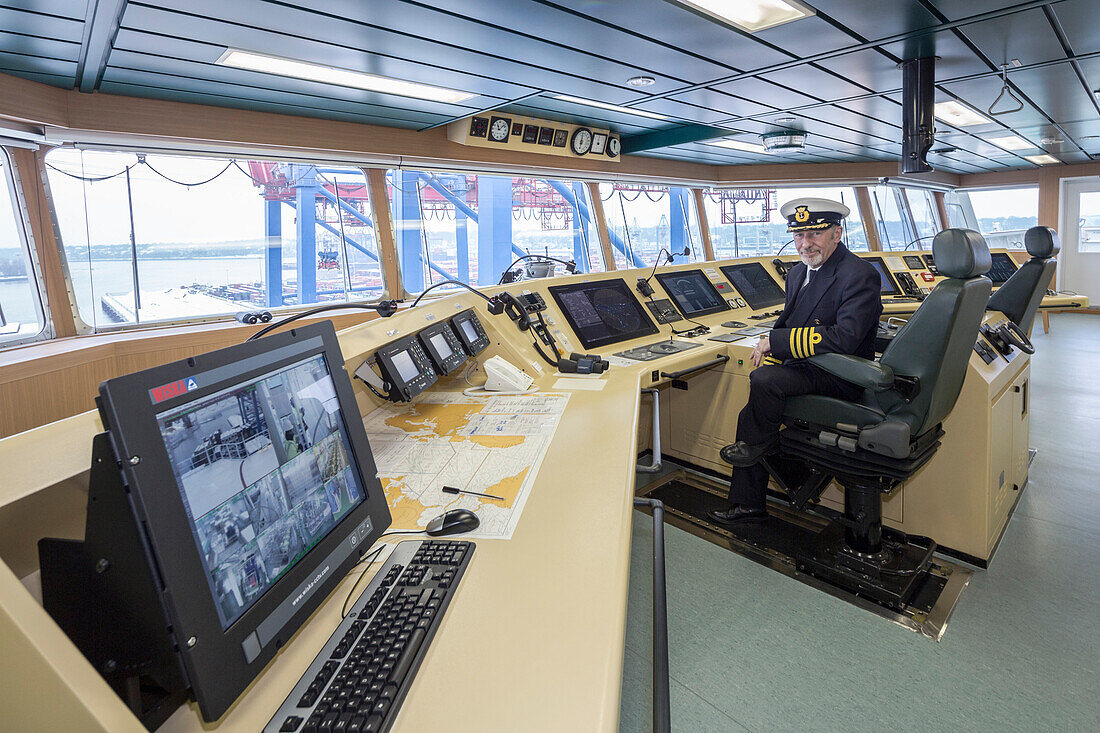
{"points": [[357, 682]]}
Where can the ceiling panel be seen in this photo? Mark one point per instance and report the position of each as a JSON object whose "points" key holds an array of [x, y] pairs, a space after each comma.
{"points": [[814, 83], [955, 59], [874, 19], [806, 37], [75, 9], [14, 62], [573, 31], [37, 46], [726, 105], [980, 94], [867, 68], [880, 108], [959, 9], [670, 23], [1026, 36], [1078, 21], [765, 93], [1057, 91], [43, 26], [554, 109]]}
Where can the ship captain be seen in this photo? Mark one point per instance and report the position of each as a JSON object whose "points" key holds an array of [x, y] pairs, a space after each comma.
{"points": [[833, 304]]}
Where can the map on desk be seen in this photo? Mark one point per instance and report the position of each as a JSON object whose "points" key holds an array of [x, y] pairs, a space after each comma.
{"points": [[492, 445]]}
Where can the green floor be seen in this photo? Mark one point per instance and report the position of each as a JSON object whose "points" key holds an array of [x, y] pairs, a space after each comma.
{"points": [[753, 650]]}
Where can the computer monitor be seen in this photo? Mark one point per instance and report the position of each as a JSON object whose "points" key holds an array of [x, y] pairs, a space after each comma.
{"points": [[888, 286], [755, 285], [603, 312], [694, 294], [254, 492], [1002, 268]]}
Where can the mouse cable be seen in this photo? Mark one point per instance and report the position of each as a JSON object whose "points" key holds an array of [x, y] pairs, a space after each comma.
{"points": [[369, 559]]}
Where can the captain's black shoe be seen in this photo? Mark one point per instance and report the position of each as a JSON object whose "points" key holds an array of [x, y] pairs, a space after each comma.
{"points": [[743, 455], [737, 515]]}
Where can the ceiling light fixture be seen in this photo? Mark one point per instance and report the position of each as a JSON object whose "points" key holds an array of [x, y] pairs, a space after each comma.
{"points": [[959, 114], [751, 15], [1042, 159], [738, 145], [784, 140], [612, 107], [1011, 142], [641, 81], [342, 77]]}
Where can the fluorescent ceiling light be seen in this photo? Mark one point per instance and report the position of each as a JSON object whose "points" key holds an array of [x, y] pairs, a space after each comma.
{"points": [[752, 15], [612, 107], [738, 145], [1042, 159], [1011, 142], [342, 77], [959, 115]]}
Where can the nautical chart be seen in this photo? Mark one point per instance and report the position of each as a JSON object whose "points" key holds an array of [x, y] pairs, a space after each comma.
{"points": [[492, 445]]}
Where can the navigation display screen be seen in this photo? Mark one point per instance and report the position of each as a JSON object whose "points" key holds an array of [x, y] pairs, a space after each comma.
{"points": [[694, 294], [263, 470], [439, 341], [755, 285], [887, 285], [1001, 269], [602, 313]]}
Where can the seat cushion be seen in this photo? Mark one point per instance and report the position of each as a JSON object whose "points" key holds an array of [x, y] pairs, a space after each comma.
{"points": [[829, 411]]}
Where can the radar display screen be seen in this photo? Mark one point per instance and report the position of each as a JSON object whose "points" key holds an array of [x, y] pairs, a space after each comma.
{"points": [[755, 285], [603, 312], [887, 286], [1001, 269], [694, 294]]}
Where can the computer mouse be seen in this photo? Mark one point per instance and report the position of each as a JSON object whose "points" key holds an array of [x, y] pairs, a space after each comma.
{"points": [[456, 521]]}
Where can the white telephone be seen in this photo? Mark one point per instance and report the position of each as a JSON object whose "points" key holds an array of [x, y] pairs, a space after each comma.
{"points": [[502, 376]]}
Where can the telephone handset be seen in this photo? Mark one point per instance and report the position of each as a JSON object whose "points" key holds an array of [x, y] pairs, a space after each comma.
{"points": [[502, 376]]}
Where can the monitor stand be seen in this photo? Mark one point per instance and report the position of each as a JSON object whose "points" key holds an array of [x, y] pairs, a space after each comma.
{"points": [[102, 593]]}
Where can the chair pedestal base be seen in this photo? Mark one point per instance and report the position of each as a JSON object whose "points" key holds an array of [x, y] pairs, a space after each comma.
{"points": [[891, 576]]}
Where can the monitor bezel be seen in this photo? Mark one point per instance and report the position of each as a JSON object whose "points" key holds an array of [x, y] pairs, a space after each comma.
{"points": [[216, 663], [726, 269], [473, 348], [648, 327], [890, 279], [458, 350], [1006, 257], [722, 306]]}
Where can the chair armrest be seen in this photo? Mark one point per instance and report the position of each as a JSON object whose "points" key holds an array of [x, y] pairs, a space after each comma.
{"points": [[860, 372]]}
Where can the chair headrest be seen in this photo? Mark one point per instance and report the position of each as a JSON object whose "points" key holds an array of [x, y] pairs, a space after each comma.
{"points": [[961, 253], [1042, 242]]}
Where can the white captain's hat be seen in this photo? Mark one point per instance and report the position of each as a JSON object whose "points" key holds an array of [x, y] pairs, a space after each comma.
{"points": [[812, 213]]}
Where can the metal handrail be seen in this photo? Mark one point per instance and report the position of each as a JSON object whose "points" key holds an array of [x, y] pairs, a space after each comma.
{"points": [[662, 712]]}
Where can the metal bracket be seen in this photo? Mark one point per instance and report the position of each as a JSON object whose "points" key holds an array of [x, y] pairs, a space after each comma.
{"points": [[655, 464]]}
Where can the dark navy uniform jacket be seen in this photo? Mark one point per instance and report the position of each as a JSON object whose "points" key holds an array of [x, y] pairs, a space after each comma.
{"points": [[837, 313]]}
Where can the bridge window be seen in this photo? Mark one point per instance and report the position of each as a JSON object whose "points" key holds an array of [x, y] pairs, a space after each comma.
{"points": [[895, 228], [922, 207], [747, 222], [643, 219], [472, 228], [1002, 215], [166, 238], [21, 316]]}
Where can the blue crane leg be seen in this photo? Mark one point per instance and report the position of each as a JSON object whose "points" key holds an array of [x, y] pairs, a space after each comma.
{"points": [[616, 240], [676, 221], [494, 228], [580, 256], [305, 195], [273, 255], [406, 215], [462, 240]]}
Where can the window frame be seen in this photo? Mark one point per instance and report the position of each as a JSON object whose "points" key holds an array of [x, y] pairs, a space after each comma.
{"points": [[26, 240]]}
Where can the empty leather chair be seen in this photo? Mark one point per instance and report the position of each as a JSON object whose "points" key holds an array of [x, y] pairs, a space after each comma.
{"points": [[1021, 294]]}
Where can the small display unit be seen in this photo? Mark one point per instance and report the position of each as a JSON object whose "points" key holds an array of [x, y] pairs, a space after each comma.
{"points": [[1002, 268], [603, 312], [230, 495], [888, 286], [406, 369], [695, 295], [755, 285], [443, 347], [913, 262], [467, 326]]}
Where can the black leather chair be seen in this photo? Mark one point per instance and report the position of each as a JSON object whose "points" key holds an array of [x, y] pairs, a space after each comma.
{"points": [[872, 445], [1020, 295]]}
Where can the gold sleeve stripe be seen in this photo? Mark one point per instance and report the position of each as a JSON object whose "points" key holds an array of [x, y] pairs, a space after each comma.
{"points": [[793, 336], [814, 340], [804, 341]]}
